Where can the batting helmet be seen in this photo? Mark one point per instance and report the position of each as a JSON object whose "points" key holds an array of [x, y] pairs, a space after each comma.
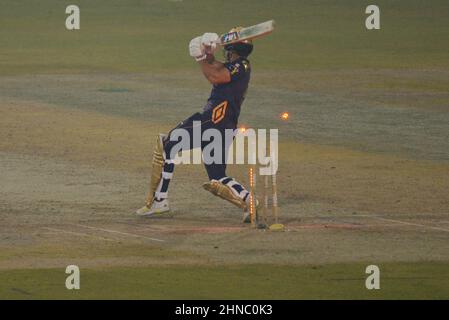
{"points": [[242, 48]]}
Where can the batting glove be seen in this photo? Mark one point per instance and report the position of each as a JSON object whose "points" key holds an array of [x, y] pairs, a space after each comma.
{"points": [[196, 49], [209, 41]]}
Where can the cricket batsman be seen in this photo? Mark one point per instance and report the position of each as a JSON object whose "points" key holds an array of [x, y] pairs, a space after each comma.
{"points": [[229, 85]]}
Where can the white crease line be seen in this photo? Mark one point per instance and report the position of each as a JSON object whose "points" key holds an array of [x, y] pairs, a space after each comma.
{"points": [[118, 232], [78, 233], [407, 223], [147, 228]]}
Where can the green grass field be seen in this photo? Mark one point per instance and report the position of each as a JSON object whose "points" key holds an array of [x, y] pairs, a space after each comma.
{"points": [[364, 159], [404, 281], [152, 36]]}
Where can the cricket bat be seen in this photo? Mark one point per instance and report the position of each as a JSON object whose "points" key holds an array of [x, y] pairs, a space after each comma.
{"points": [[247, 33]]}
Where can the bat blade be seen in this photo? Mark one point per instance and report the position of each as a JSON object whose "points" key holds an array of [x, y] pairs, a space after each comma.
{"points": [[248, 33]]}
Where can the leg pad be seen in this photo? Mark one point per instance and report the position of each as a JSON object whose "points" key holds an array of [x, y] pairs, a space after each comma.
{"points": [[157, 167], [223, 191]]}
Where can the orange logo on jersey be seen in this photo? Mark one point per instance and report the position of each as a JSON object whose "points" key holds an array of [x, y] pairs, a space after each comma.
{"points": [[219, 112]]}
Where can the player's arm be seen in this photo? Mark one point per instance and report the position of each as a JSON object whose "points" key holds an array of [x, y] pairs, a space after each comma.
{"points": [[214, 70], [202, 49]]}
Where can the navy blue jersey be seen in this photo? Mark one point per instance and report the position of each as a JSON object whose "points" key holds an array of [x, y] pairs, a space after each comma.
{"points": [[232, 93]]}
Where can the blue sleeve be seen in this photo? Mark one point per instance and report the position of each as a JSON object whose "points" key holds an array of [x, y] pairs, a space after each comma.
{"points": [[237, 68]]}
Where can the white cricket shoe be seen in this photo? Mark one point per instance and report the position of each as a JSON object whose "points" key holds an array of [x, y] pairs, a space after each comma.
{"points": [[157, 207]]}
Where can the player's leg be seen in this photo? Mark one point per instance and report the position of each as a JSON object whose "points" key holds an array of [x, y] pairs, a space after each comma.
{"points": [[162, 170], [225, 187], [219, 183], [157, 174], [157, 201]]}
